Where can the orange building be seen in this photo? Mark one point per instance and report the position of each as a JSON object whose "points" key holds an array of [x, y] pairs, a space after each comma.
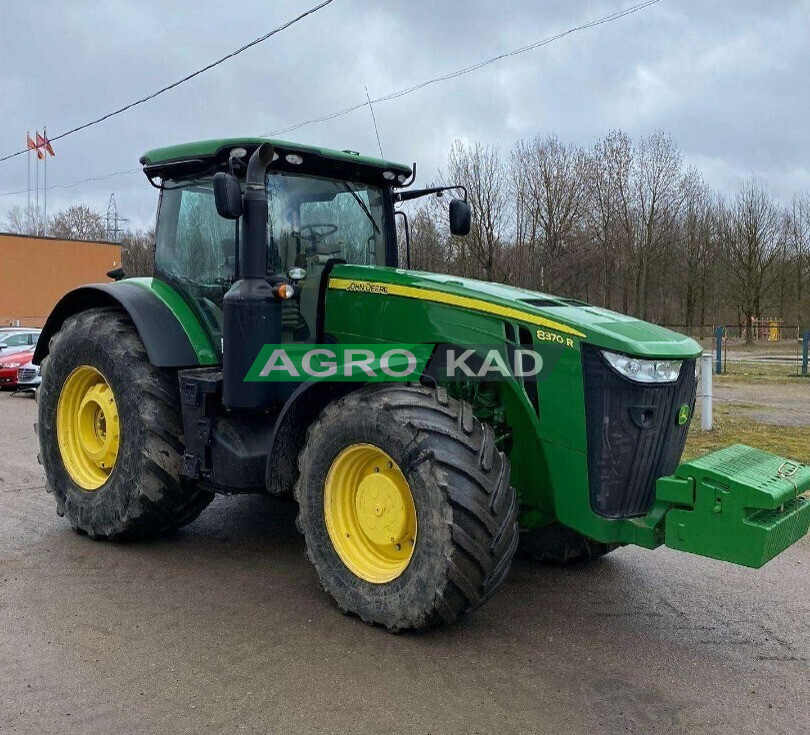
{"points": [[35, 272]]}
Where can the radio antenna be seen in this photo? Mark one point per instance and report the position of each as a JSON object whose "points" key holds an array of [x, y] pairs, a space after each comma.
{"points": [[374, 120]]}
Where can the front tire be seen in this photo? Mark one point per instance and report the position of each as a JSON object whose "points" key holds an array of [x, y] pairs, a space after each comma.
{"points": [[406, 506], [110, 427], [558, 544]]}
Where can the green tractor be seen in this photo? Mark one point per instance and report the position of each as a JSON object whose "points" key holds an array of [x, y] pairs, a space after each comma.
{"points": [[414, 496]]}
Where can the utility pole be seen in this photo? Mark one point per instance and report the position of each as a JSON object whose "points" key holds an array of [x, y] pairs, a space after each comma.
{"points": [[113, 232]]}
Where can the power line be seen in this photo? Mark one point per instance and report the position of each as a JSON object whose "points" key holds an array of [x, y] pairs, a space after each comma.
{"points": [[204, 69], [71, 184], [466, 70], [402, 92]]}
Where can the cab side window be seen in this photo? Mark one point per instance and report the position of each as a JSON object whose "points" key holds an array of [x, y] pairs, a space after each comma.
{"points": [[196, 249], [194, 242]]}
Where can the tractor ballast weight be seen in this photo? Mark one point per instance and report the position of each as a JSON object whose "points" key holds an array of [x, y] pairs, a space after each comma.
{"points": [[412, 497]]}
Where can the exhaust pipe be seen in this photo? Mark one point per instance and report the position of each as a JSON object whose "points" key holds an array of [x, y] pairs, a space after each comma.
{"points": [[257, 166], [251, 311], [253, 242]]}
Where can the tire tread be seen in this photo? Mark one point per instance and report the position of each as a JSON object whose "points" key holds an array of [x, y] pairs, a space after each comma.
{"points": [[469, 469]]}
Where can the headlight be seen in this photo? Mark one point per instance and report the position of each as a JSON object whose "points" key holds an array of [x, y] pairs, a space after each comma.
{"points": [[644, 371]]}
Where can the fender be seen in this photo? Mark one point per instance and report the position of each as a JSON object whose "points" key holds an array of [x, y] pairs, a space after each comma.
{"points": [[166, 325], [301, 410]]}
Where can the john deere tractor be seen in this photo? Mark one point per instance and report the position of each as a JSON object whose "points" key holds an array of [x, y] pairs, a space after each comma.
{"points": [[414, 496]]}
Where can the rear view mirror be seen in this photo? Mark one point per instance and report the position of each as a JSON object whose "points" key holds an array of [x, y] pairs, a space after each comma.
{"points": [[227, 195], [460, 217]]}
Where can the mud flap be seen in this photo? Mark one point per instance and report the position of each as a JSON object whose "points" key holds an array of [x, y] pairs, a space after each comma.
{"points": [[738, 504]]}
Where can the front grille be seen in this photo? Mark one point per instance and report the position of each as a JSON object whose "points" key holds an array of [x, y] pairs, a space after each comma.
{"points": [[633, 434], [27, 373]]}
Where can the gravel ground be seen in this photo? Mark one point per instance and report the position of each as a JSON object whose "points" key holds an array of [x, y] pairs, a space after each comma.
{"points": [[223, 628], [779, 404]]}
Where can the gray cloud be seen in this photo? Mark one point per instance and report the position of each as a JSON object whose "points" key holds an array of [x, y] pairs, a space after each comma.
{"points": [[728, 79]]}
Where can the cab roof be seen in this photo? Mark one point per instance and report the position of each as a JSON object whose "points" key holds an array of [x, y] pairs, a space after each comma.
{"points": [[213, 154]]}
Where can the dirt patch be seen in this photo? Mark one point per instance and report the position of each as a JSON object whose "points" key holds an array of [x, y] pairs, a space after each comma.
{"points": [[778, 418], [780, 404]]}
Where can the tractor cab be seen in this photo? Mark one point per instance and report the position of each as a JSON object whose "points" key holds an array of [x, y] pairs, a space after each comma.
{"points": [[318, 208], [323, 207]]}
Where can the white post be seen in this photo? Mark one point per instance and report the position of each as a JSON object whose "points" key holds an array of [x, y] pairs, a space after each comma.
{"points": [[706, 391]]}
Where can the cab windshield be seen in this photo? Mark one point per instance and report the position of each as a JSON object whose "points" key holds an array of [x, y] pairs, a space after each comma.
{"points": [[312, 219]]}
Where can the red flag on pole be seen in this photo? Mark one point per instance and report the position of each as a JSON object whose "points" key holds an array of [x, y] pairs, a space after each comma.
{"points": [[40, 146], [33, 146], [48, 146]]}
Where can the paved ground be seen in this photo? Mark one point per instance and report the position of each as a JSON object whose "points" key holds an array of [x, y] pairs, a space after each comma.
{"points": [[222, 628]]}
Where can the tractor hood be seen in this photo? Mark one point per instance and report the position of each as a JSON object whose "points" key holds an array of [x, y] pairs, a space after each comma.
{"points": [[602, 327]]}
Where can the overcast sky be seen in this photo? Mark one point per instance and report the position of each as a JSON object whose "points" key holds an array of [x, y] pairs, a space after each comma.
{"points": [[728, 79]]}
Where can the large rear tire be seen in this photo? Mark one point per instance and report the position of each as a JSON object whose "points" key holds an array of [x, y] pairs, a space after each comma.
{"points": [[406, 506], [110, 430]]}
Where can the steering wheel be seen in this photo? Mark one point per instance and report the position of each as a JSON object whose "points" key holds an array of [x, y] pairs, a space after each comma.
{"points": [[317, 231]]}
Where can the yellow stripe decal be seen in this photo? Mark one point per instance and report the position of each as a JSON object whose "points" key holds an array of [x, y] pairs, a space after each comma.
{"points": [[440, 297]]}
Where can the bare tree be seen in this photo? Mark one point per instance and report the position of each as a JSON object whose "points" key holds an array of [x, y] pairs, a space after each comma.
{"points": [[750, 229], [480, 170], [658, 198], [548, 187], [77, 222], [24, 221], [798, 243], [430, 250], [697, 225], [138, 252], [607, 181]]}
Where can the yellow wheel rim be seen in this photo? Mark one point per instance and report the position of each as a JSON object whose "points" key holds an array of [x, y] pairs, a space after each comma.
{"points": [[87, 427], [370, 514]]}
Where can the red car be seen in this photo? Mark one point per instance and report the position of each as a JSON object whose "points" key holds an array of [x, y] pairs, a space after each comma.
{"points": [[9, 365]]}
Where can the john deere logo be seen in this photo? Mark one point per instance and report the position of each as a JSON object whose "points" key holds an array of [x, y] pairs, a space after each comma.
{"points": [[683, 415]]}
